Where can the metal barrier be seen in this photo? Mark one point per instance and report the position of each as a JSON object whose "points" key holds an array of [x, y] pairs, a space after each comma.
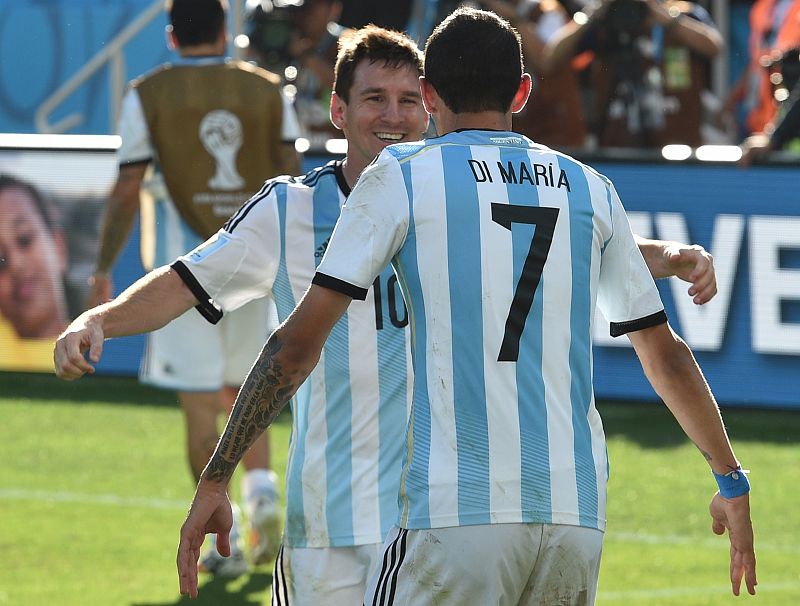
{"points": [[111, 55]]}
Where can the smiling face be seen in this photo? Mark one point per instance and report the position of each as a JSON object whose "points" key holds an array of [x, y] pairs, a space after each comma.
{"points": [[32, 263], [385, 107]]}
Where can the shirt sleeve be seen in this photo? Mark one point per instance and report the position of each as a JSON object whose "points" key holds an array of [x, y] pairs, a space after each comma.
{"points": [[371, 229], [627, 294], [132, 127], [237, 264], [290, 125]]}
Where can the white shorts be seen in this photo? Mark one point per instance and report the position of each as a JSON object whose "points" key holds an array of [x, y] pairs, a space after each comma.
{"points": [[191, 354], [323, 575], [503, 564]]}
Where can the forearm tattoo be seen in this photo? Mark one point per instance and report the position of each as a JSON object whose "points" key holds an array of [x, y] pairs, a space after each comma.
{"points": [[265, 392]]}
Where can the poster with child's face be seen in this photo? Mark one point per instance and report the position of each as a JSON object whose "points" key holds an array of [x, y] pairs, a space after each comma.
{"points": [[51, 205]]}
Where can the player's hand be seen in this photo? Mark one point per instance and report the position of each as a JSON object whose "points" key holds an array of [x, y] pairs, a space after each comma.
{"points": [[101, 289], [695, 265], [734, 515], [210, 513], [81, 336]]}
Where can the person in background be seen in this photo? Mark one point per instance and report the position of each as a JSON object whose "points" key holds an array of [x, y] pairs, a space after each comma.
{"points": [[774, 30], [784, 132], [504, 448], [332, 534], [299, 42], [554, 116], [33, 262], [212, 129], [649, 72], [390, 15]]}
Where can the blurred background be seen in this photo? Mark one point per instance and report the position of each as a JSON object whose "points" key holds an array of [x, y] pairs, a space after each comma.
{"points": [[73, 58], [691, 108], [661, 96]]}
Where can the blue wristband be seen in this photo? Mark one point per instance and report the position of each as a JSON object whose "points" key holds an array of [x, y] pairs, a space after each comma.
{"points": [[733, 484]]}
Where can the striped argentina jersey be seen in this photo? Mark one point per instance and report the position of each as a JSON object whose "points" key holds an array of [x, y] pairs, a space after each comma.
{"points": [[502, 248], [349, 416]]}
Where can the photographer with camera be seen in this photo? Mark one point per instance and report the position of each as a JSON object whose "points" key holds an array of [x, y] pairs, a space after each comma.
{"points": [[298, 40], [650, 68], [751, 105], [554, 113], [784, 132]]}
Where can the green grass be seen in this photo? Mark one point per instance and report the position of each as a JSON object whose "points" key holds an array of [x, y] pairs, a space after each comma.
{"points": [[93, 491], [95, 486], [659, 548]]}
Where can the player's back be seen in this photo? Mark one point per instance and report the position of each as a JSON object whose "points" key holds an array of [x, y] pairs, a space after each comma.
{"points": [[501, 247], [216, 125], [500, 269]]}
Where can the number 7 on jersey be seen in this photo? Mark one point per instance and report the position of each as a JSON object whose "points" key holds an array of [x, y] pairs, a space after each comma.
{"points": [[544, 219]]}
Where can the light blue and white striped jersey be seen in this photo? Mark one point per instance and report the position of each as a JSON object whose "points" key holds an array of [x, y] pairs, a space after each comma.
{"points": [[349, 417], [502, 248]]}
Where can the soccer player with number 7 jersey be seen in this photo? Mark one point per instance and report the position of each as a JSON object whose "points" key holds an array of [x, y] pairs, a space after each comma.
{"points": [[502, 249], [349, 418]]}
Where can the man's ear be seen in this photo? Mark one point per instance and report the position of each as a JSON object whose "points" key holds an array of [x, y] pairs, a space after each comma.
{"points": [[522, 94], [338, 107], [172, 41], [222, 39], [430, 98]]}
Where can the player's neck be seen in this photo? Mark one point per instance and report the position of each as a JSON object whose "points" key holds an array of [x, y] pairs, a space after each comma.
{"points": [[448, 121], [203, 50], [351, 170]]}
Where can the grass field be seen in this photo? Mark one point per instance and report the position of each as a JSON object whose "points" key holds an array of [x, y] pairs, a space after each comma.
{"points": [[95, 486]]}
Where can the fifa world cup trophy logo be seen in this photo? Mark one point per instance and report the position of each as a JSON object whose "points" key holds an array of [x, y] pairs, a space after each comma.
{"points": [[221, 135]]}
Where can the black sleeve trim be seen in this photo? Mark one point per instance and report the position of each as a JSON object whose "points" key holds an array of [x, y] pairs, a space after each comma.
{"points": [[620, 328], [135, 162], [340, 178], [341, 286], [206, 306]]}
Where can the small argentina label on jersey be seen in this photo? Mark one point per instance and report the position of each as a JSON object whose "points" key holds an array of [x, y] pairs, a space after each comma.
{"points": [[507, 140], [209, 247]]}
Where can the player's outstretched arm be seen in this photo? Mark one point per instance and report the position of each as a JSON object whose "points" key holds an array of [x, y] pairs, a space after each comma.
{"points": [[148, 304], [672, 371], [691, 263], [288, 357]]}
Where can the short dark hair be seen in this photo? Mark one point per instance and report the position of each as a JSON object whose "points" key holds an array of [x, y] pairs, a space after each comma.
{"points": [[41, 205], [196, 22], [372, 43], [474, 61]]}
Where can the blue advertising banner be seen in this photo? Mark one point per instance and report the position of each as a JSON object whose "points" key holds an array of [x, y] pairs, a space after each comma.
{"points": [[747, 339]]}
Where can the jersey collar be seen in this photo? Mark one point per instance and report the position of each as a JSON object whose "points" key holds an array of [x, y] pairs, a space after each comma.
{"points": [[340, 180]]}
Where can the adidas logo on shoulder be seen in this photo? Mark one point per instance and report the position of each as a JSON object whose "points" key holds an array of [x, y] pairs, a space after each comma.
{"points": [[322, 248]]}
